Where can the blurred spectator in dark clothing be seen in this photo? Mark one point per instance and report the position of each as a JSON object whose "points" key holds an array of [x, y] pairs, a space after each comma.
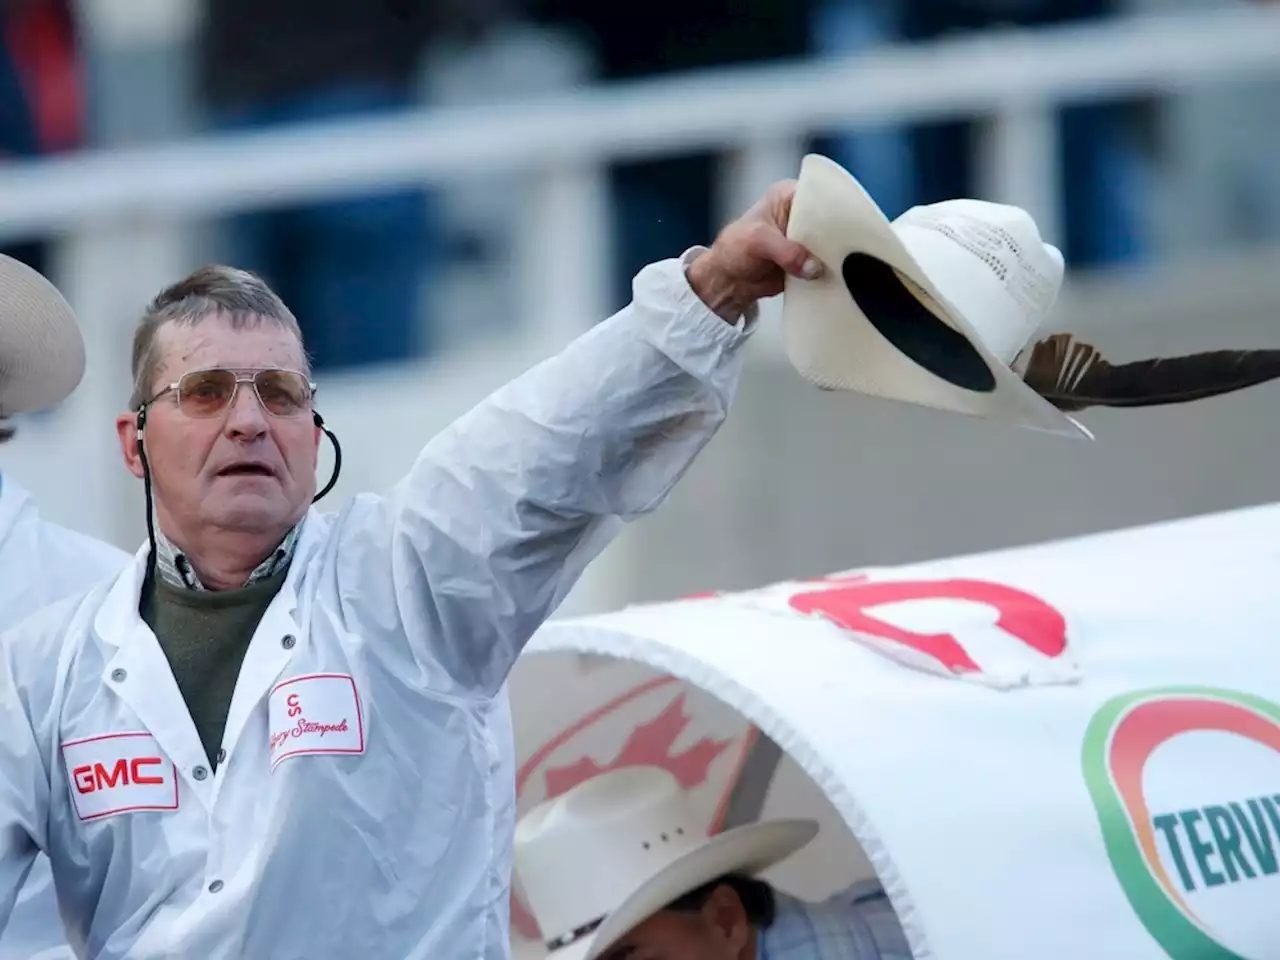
{"points": [[17, 120], [1101, 162], [41, 109], [352, 268], [664, 206]]}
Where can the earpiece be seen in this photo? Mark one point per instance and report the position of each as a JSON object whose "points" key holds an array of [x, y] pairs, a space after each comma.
{"points": [[337, 454]]}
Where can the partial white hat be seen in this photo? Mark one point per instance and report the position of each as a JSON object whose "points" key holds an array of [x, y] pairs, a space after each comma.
{"points": [[931, 308], [42, 356], [595, 862]]}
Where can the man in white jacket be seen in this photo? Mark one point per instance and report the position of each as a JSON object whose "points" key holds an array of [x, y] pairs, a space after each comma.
{"points": [[279, 733], [41, 363]]}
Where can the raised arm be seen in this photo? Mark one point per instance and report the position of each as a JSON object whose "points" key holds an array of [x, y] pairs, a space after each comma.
{"points": [[502, 512]]}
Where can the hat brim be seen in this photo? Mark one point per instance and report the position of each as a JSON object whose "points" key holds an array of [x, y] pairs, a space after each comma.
{"points": [[748, 849], [832, 342], [42, 355]]}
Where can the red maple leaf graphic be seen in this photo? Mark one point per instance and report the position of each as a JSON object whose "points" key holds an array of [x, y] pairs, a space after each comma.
{"points": [[649, 745]]}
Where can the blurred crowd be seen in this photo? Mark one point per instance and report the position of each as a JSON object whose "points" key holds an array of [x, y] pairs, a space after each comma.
{"points": [[257, 64]]}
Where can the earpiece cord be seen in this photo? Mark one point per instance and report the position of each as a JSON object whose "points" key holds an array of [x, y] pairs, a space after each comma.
{"points": [[337, 456], [149, 574]]}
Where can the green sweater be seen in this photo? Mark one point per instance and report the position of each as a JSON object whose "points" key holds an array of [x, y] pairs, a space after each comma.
{"points": [[205, 635]]}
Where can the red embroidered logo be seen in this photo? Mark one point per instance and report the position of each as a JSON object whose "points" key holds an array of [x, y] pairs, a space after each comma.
{"points": [[90, 777], [118, 773], [316, 713]]}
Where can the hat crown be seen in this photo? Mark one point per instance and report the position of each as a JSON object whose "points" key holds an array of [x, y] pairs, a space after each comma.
{"points": [[42, 355], [932, 308], [578, 856], [1006, 284]]}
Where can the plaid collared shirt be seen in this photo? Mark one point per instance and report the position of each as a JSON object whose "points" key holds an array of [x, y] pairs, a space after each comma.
{"points": [[856, 924], [175, 569]]}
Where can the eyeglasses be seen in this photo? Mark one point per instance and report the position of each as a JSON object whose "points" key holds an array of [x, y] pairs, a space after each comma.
{"points": [[207, 393]]}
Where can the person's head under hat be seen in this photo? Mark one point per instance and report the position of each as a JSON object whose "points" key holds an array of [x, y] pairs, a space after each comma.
{"points": [[720, 920], [618, 869], [42, 357]]}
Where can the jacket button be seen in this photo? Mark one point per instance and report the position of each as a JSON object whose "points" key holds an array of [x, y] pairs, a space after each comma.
{"points": [[215, 886], [222, 756], [118, 675], [199, 773], [288, 641]]}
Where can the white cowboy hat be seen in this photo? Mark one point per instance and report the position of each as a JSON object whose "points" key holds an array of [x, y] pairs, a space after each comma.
{"points": [[41, 350], [931, 308], [605, 856]]}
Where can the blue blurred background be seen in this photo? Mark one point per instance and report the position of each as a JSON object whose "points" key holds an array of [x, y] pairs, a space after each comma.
{"points": [[446, 190]]}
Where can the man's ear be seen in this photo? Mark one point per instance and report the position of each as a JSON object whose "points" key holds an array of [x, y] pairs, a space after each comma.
{"points": [[127, 431], [728, 921]]}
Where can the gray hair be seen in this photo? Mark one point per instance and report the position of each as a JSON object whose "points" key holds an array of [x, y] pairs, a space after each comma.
{"points": [[241, 296]]}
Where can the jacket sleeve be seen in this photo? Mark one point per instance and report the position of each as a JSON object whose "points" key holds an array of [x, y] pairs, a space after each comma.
{"points": [[503, 510], [24, 790]]}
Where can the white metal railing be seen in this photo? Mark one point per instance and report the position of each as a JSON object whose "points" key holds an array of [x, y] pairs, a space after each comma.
{"points": [[1004, 74], [1011, 79], [125, 213]]}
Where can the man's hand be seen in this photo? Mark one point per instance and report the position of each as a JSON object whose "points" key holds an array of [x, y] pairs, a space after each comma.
{"points": [[752, 256]]}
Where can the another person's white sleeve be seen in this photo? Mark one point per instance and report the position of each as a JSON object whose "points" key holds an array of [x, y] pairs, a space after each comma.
{"points": [[24, 790]]}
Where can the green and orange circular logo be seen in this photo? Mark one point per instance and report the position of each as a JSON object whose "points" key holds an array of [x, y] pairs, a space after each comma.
{"points": [[1186, 784]]}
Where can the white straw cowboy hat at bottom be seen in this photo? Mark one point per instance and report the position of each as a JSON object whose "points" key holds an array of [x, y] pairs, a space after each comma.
{"points": [[940, 308], [600, 859], [42, 357]]}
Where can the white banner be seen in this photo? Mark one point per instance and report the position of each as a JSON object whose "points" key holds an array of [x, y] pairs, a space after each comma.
{"points": [[578, 716], [1063, 751]]}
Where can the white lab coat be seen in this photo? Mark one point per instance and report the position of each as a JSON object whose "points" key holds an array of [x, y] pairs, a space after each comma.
{"points": [[356, 812], [41, 562]]}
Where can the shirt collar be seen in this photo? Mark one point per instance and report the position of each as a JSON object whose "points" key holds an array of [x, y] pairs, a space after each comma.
{"points": [[175, 569]]}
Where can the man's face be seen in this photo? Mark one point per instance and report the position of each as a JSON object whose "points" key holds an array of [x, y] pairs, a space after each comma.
{"points": [[242, 470], [719, 931]]}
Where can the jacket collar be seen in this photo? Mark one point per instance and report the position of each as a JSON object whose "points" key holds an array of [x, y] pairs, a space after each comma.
{"points": [[118, 615]]}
